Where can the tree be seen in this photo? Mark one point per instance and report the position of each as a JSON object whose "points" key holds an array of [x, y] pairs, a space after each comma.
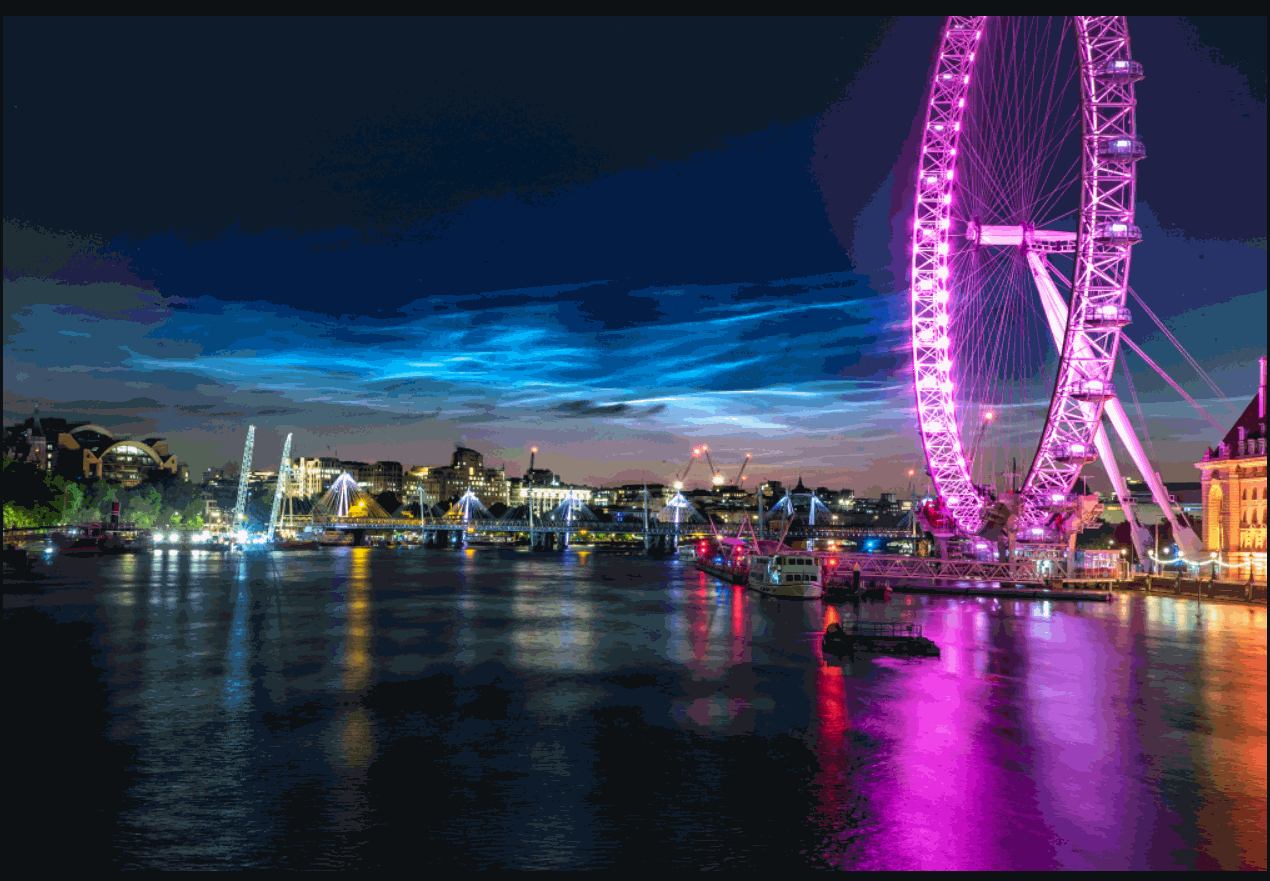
{"points": [[18, 517], [99, 498], [69, 495], [144, 505], [192, 515]]}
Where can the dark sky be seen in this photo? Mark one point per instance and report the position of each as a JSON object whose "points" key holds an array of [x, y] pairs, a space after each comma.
{"points": [[613, 238]]}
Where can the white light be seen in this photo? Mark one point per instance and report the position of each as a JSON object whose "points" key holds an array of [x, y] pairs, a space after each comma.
{"points": [[242, 535], [175, 536], [158, 536]]}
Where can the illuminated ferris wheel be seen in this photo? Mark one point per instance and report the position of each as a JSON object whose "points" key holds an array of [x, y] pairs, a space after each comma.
{"points": [[1021, 241]]}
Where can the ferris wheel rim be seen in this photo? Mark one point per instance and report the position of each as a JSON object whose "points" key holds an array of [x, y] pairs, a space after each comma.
{"points": [[1099, 280]]}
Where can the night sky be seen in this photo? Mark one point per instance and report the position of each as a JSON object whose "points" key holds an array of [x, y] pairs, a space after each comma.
{"points": [[611, 238]]}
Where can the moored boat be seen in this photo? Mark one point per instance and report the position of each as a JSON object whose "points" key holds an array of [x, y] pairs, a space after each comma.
{"points": [[786, 573]]}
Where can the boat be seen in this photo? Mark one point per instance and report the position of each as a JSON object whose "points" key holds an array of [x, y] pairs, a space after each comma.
{"points": [[732, 573], [878, 636], [786, 573], [876, 593], [296, 545]]}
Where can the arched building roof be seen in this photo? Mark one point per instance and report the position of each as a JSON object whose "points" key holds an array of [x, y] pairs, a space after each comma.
{"points": [[92, 427], [140, 445]]}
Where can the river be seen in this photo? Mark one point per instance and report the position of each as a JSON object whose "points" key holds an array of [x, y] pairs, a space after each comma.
{"points": [[485, 708]]}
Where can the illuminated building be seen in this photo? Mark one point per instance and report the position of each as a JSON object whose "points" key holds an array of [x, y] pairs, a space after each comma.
{"points": [[1233, 481], [445, 483], [312, 476]]}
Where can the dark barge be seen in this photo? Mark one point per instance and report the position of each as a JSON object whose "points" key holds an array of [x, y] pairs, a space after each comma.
{"points": [[885, 637]]}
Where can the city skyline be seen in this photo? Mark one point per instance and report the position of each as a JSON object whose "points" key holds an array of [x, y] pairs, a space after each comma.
{"points": [[724, 276]]}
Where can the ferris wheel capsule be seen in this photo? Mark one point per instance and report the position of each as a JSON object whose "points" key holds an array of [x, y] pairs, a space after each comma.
{"points": [[1120, 70]]}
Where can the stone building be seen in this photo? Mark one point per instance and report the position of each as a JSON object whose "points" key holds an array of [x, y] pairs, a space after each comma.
{"points": [[1233, 487]]}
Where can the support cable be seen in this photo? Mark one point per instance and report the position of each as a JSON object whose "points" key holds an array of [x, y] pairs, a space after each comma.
{"points": [[1185, 354], [1133, 393], [1177, 388]]}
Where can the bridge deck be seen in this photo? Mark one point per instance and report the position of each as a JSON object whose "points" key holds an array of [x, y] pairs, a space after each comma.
{"points": [[932, 570]]}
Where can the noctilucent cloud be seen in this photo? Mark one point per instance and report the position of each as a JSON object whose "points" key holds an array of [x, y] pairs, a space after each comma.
{"points": [[611, 239]]}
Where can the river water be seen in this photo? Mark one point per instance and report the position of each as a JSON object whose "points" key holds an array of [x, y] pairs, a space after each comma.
{"points": [[358, 707]]}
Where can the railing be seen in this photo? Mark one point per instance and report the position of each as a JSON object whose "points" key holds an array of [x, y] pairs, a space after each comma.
{"points": [[432, 524], [933, 569], [892, 629], [845, 532]]}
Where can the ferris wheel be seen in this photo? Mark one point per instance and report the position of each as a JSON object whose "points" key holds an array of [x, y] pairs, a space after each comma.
{"points": [[1021, 241]]}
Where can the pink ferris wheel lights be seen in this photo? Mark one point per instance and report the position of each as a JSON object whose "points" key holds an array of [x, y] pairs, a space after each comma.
{"points": [[1107, 150]]}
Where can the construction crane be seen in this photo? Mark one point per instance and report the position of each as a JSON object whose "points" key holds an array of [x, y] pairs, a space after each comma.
{"points": [[244, 475], [683, 475], [718, 478], [281, 488]]}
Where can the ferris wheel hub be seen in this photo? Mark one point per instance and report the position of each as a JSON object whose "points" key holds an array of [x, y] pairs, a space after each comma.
{"points": [[1025, 236]]}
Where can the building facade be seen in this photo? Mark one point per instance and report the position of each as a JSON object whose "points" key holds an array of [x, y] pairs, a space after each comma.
{"points": [[312, 476], [82, 449], [445, 483], [381, 477], [1233, 489]]}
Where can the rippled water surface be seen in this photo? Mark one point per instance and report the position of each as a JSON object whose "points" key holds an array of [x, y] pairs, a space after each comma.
{"points": [[487, 708]]}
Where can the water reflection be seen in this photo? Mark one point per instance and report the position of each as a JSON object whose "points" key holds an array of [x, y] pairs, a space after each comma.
{"points": [[562, 707]]}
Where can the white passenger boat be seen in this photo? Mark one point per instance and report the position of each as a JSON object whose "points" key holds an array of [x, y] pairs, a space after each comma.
{"points": [[788, 574]]}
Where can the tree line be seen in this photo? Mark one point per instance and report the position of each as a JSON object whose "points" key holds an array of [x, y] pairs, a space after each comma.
{"points": [[36, 498]]}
